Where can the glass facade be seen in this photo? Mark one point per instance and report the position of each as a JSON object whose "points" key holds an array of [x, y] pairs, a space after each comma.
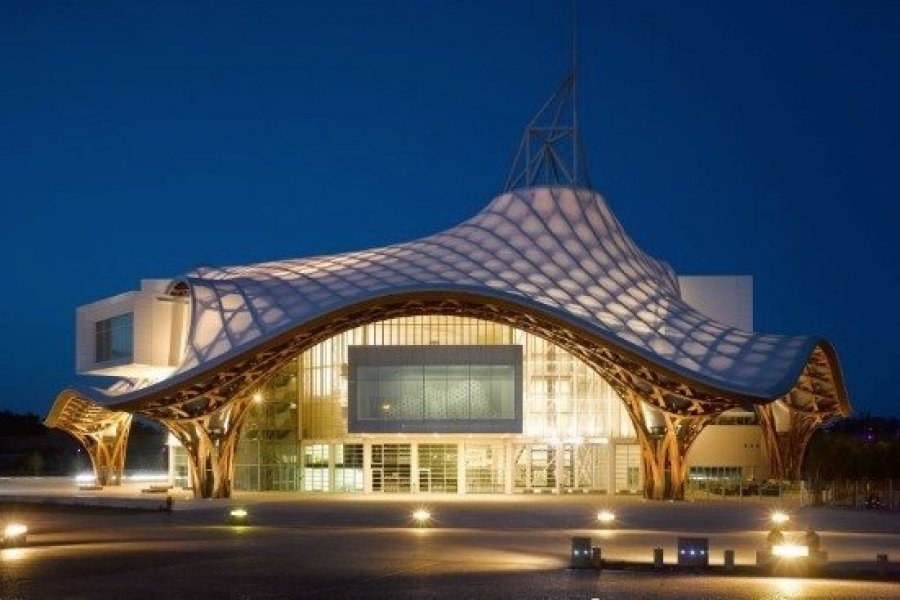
{"points": [[562, 396], [729, 474], [572, 434], [391, 468], [348, 467], [628, 469], [426, 389], [438, 464], [485, 468], [268, 454], [114, 338]]}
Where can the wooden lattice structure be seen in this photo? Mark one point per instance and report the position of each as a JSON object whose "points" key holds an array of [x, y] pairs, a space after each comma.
{"points": [[101, 431]]}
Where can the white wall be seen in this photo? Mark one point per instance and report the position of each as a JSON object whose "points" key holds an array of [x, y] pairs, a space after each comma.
{"points": [[160, 329], [731, 446], [727, 299]]}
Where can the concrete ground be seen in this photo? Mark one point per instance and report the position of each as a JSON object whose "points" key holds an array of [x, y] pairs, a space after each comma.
{"points": [[299, 546]]}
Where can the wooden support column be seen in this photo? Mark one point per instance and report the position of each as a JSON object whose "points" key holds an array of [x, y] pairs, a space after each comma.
{"points": [[210, 442], [785, 449], [102, 431], [664, 449], [106, 448], [681, 432]]}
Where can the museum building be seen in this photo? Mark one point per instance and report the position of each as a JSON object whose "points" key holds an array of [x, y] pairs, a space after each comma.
{"points": [[532, 348]]}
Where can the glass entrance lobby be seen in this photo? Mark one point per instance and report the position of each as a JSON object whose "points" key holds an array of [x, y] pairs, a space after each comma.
{"points": [[437, 404]]}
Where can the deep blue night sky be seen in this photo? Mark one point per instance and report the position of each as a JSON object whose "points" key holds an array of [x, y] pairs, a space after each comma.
{"points": [[145, 139]]}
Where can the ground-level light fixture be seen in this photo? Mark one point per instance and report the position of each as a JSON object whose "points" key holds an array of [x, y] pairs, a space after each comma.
{"points": [[14, 534], [790, 551], [780, 517], [421, 516], [237, 516], [789, 587], [606, 517], [83, 478]]}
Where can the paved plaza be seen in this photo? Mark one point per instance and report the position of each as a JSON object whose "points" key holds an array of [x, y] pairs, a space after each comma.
{"points": [[367, 547]]}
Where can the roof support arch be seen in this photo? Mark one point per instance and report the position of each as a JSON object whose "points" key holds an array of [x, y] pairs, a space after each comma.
{"points": [[210, 443], [102, 432], [786, 435]]}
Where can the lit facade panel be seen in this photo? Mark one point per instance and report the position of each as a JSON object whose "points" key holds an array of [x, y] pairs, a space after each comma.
{"points": [[432, 389], [562, 397], [572, 430]]}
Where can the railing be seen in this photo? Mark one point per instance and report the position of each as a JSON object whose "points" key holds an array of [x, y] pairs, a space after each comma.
{"points": [[730, 489], [873, 494]]}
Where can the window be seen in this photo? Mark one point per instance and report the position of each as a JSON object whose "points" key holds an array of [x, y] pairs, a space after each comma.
{"points": [[438, 464], [422, 389], [114, 338]]}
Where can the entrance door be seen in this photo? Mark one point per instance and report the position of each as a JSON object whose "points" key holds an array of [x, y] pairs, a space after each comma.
{"points": [[391, 468], [438, 468]]}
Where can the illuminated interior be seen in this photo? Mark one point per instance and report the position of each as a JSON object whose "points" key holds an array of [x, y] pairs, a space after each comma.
{"points": [[574, 434]]}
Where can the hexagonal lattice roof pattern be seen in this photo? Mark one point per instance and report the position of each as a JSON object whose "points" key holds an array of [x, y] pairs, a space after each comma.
{"points": [[559, 250]]}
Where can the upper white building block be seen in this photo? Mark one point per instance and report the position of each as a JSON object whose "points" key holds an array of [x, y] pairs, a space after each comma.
{"points": [[155, 346]]}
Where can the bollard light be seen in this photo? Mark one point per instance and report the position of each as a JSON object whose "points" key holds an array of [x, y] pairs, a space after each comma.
{"points": [[582, 553], [780, 518], [790, 551], [421, 516], [789, 587], [237, 516], [606, 517], [14, 534]]}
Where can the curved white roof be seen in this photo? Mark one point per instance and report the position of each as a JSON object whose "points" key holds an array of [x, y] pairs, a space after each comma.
{"points": [[556, 249]]}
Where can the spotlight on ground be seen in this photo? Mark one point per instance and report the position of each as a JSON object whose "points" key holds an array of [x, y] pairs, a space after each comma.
{"points": [[789, 588], [780, 518], [606, 517], [237, 516], [790, 551], [14, 535], [421, 516]]}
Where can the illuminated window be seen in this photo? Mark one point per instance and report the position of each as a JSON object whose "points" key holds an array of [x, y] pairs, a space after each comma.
{"points": [[435, 389], [114, 338]]}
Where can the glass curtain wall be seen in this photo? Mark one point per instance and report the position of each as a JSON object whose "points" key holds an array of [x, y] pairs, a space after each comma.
{"points": [[438, 468], [570, 418], [348, 467], [267, 456], [391, 468], [628, 469], [485, 468], [564, 398]]}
